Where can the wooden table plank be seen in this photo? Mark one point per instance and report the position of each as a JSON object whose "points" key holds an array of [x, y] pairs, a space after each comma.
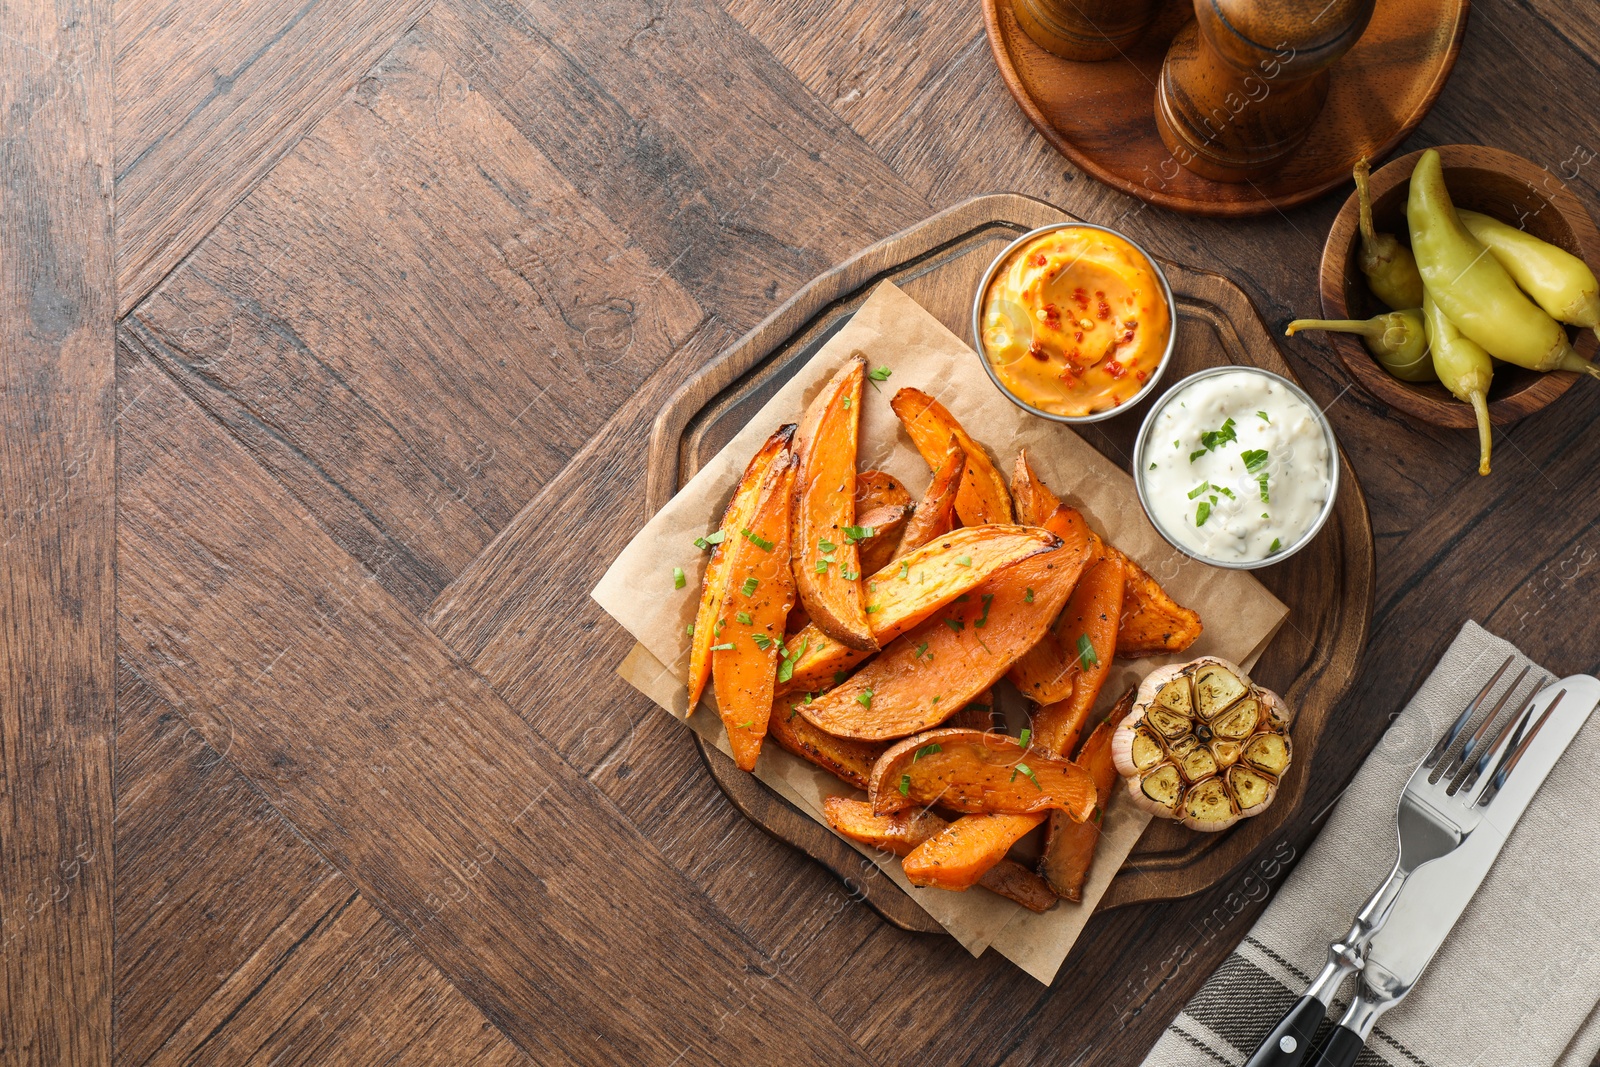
{"points": [[57, 457], [508, 871], [416, 322], [211, 94]]}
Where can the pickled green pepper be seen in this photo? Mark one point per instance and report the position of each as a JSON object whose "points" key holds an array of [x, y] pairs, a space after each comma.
{"points": [[1464, 368], [1397, 340], [1558, 281], [1473, 289], [1390, 268]]}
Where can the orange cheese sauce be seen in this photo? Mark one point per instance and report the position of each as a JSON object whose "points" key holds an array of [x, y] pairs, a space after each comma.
{"points": [[1075, 322]]}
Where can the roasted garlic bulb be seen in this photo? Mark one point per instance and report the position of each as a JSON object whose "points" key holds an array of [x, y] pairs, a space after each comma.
{"points": [[1203, 744]]}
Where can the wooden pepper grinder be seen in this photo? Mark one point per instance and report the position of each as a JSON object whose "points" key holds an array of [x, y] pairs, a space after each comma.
{"points": [[1084, 29], [1243, 83]]}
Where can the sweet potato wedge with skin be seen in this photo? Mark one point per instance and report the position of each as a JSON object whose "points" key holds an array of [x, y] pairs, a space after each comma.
{"points": [[882, 527], [911, 589], [744, 661], [851, 761], [936, 514], [903, 831], [1069, 846], [1070, 663], [827, 559], [1153, 624], [714, 587], [880, 489], [971, 771], [982, 497], [1034, 501], [963, 852], [927, 674]]}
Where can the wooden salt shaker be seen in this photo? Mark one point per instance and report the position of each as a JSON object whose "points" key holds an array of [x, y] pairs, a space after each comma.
{"points": [[1084, 29], [1242, 85]]}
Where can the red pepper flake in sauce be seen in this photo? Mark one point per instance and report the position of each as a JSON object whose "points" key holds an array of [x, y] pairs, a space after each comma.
{"points": [[1115, 369], [1081, 298], [1142, 375], [1052, 316], [1040, 260], [1036, 350]]}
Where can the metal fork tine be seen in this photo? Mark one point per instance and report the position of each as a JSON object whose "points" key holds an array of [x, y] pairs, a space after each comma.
{"points": [[1513, 729], [1508, 762], [1488, 720], [1451, 734]]}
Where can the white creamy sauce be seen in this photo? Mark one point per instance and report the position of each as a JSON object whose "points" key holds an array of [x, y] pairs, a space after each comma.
{"points": [[1235, 467]]}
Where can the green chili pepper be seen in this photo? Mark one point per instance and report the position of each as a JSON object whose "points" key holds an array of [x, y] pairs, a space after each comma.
{"points": [[1390, 267], [1558, 281], [1397, 340], [1463, 367], [1473, 289]]}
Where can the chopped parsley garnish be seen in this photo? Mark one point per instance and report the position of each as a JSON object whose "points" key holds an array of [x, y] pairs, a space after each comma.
{"points": [[849, 575], [935, 700], [864, 698], [1023, 768], [1196, 454], [926, 750], [1254, 459], [709, 540], [786, 668], [749, 587], [756, 539], [1276, 544], [678, 580], [826, 545], [716, 631], [905, 569], [847, 403], [963, 561], [1225, 492], [1263, 416], [822, 566], [870, 608], [1197, 490], [763, 642], [852, 534], [1027, 735], [1262, 480], [1215, 439], [1027, 597], [744, 617], [1087, 657], [726, 646], [689, 629], [921, 650], [1152, 466], [838, 676], [905, 785], [983, 620], [955, 624], [1202, 513], [746, 724], [880, 374]]}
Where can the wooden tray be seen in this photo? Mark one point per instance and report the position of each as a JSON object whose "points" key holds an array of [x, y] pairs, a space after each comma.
{"points": [[1102, 115], [1328, 586]]}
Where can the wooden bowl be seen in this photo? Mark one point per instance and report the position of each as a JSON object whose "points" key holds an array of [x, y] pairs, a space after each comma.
{"points": [[1481, 179]]}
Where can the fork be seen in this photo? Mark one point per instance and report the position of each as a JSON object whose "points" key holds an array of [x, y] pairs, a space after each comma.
{"points": [[1439, 809]]}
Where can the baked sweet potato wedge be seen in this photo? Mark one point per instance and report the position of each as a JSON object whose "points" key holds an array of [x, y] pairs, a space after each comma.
{"points": [[749, 628], [1063, 673], [880, 489], [909, 591], [850, 760], [1034, 501], [973, 771], [983, 497], [903, 831], [978, 715], [1153, 624], [935, 515], [1069, 846], [962, 853], [930, 672], [827, 559], [714, 586], [880, 531]]}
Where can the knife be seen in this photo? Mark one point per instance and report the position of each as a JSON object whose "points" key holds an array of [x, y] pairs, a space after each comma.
{"points": [[1437, 894]]}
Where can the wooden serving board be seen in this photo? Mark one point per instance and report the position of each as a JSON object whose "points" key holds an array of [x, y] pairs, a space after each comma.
{"points": [[1328, 586], [1102, 115]]}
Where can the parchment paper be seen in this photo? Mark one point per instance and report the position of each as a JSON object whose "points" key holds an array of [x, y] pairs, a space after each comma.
{"points": [[892, 330]]}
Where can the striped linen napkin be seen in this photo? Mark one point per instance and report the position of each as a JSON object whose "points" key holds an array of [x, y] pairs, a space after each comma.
{"points": [[1518, 982]]}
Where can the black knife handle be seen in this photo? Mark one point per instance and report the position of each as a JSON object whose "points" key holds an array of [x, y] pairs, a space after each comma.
{"points": [[1341, 1049], [1290, 1041]]}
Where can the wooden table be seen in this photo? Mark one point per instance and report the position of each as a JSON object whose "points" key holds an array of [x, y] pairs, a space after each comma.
{"points": [[385, 281]]}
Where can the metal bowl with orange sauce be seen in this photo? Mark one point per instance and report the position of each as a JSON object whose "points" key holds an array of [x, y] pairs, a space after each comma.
{"points": [[1074, 322]]}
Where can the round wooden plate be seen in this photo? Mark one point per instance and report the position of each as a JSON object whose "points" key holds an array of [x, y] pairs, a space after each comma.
{"points": [[1328, 586], [1102, 115], [1482, 179]]}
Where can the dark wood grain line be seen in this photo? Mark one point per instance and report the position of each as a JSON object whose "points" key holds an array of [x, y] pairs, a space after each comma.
{"points": [[57, 533], [213, 95], [448, 814]]}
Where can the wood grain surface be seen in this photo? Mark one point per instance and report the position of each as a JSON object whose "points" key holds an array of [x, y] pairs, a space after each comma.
{"points": [[400, 288]]}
